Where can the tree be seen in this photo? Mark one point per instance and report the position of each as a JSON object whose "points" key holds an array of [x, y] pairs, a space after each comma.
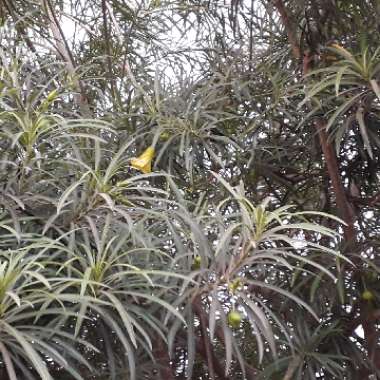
{"points": [[189, 189]]}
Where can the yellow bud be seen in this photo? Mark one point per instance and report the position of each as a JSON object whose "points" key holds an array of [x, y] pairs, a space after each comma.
{"points": [[144, 161], [234, 285], [196, 263]]}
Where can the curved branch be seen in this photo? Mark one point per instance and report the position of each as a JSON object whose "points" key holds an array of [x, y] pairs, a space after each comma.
{"points": [[289, 28]]}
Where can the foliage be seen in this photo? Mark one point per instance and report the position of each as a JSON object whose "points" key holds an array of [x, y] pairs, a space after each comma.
{"points": [[189, 189]]}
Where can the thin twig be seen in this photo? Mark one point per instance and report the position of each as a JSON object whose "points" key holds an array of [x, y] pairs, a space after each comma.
{"points": [[64, 50]]}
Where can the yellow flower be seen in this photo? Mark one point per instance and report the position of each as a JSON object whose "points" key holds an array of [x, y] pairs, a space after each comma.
{"points": [[144, 161]]}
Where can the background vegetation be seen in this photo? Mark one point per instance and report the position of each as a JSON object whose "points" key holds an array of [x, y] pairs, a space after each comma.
{"points": [[189, 189]]}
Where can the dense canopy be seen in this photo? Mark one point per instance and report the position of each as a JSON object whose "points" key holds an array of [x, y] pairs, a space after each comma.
{"points": [[189, 189]]}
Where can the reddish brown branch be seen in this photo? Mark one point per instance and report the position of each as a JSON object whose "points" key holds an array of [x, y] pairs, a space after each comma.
{"points": [[367, 201], [344, 206], [342, 202], [371, 336], [197, 307], [289, 28], [163, 360], [218, 367], [200, 347]]}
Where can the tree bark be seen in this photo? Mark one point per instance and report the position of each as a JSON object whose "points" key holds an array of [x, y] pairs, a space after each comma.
{"points": [[290, 29], [197, 306], [163, 360], [344, 206]]}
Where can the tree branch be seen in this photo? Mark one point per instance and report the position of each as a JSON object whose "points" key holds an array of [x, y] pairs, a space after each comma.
{"points": [[289, 28], [344, 206], [107, 39], [342, 202], [197, 305], [64, 51], [163, 360]]}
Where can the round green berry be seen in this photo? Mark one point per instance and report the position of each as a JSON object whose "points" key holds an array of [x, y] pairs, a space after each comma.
{"points": [[368, 295], [234, 319]]}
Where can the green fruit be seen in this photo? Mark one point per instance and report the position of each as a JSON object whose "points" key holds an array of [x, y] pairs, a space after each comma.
{"points": [[234, 319], [164, 136], [367, 295]]}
